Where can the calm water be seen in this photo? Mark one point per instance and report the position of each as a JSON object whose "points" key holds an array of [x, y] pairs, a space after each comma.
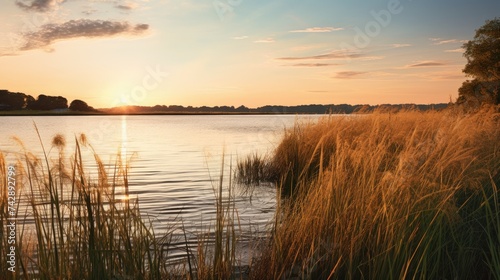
{"points": [[176, 160]]}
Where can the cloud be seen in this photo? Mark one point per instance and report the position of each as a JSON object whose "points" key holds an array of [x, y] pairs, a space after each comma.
{"points": [[89, 11], [127, 6], [267, 40], [317, 30], [460, 50], [82, 28], [348, 75], [7, 53], [330, 55], [314, 64], [397, 46], [439, 41], [38, 5], [446, 42], [334, 55], [427, 63]]}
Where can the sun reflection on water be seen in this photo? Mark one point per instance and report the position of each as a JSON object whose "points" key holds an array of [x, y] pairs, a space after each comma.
{"points": [[123, 153], [123, 144]]}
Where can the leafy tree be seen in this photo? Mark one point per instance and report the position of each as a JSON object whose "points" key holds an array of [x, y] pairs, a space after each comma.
{"points": [[483, 65], [45, 102], [79, 105], [14, 100]]}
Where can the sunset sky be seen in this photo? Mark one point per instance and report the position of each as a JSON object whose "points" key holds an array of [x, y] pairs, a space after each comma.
{"points": [[238, 52]]}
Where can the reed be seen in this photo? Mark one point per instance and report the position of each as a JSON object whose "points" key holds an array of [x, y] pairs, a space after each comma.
{"points": [[409, 195], [217, 248], [80, 223], [253, 170], [76, 226]]}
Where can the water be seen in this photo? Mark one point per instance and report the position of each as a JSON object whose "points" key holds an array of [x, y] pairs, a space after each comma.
{"points": [[176, 160]]}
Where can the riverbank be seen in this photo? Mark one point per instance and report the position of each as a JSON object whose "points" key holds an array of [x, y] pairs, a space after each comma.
{"points": [[384, 195]]}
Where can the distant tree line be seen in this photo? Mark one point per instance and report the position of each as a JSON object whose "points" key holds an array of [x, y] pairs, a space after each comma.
{"points": [[270, 109], [19, 101], [10, 101]]}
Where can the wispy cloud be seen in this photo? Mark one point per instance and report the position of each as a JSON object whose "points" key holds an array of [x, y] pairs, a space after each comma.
{"points": [[127, 6], [38, 5], [313, 64], [266, 40], [348, 75], [334, 55], [7, 53], [48, 34], [318, 30], [460, 50], [452, 41], [89, 11], [427, 63], [397, 46], [440, 41]]}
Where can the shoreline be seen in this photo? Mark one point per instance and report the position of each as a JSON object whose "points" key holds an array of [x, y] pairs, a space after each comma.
{"points": [[24, 114]]}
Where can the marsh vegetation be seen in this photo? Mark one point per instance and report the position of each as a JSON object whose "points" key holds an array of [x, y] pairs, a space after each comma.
{"points": [[385, 195]]}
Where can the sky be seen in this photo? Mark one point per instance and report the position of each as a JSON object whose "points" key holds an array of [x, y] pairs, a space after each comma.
{"points": [[238, 52]]}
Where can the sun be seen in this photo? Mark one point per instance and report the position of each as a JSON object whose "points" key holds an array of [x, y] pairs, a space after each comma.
{"points": [[124, 100]]}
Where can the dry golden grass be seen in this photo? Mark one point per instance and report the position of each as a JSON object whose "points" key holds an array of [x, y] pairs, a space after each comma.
{"points": [[388, 196]]}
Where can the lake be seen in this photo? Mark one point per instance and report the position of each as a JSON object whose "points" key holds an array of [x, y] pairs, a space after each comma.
{"points": [[175, 159]]}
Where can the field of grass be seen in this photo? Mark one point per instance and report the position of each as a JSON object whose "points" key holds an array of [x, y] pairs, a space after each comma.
{"points": [[406, 195]]}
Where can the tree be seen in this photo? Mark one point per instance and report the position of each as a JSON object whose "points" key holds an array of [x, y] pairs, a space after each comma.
{"points": [[14, 100], [11, 100], [79, 105], [483, 65], [45, 102]]}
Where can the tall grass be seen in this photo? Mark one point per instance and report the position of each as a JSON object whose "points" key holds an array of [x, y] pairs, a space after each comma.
{"points": [[219, 259], [388, 196], [254, 170], [80, 223], [77, 227]]}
